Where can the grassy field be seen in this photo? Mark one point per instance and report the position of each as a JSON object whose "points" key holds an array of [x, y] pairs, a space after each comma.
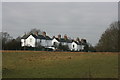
{"points": [[27, 64]]}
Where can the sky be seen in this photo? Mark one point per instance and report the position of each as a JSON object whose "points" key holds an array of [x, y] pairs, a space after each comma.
{"points": [[76, 19]]}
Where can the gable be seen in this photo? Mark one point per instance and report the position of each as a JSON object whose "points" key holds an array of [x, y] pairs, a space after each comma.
{"points": [[27, 35], [73, 43], [55, 40], [31, 37], [36, 37]]}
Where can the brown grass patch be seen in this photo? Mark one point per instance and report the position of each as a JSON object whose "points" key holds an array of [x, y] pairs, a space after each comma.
{"points": [[27, 51]]}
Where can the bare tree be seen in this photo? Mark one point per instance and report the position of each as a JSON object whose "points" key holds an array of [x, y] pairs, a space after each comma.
{"points": [[110, 38], [34, 30], [5, 37]]}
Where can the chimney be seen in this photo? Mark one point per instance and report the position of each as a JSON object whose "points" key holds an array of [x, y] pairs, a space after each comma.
{"points": [[44, 34], [53, 37], [73, 40], [78, 40], [36, 33], [65, 36], [83, 40], [59, 36]]}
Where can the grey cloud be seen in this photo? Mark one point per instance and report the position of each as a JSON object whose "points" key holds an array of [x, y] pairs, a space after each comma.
{"points": [[80, 19]]}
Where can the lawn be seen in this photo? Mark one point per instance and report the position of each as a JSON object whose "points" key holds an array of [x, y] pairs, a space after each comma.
{"points": [[33, 64]]}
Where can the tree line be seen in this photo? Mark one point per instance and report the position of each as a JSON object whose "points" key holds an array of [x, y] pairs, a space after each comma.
{"points": [[108, 42]]}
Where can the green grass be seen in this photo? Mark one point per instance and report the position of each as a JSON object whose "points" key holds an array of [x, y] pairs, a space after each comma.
{"points": [[59, 65]]}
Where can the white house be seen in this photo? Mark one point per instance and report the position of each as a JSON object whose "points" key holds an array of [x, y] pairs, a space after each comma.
{"points": [[55, 41], [62, 41], [75, 46], [82, 47], [36, 40], [58, 41], [45, 41], [28, 40], [33, 40], [69, 43]]}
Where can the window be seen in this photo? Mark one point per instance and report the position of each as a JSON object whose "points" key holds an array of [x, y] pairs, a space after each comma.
{"points": [[54, 43], [73, 46], [30, 40]]}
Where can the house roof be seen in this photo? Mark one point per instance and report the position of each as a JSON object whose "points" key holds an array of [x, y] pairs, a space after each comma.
{"points": [[27, 35], [24, 37], [37, 37], [40, 37], [78, 43], [69, 41], [57, 39], [48, 38], [64, 40]]}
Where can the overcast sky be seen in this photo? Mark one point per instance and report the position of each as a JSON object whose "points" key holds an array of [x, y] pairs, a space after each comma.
{"points": [[76, 19]]}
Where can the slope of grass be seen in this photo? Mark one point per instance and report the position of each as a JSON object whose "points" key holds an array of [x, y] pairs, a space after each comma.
{"points": [[59, 65]]}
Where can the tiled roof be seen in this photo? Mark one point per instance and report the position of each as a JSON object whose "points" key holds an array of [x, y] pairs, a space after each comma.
{"points": [[64, 40], [37, 37], [27, 35], [57, 39], [69, 41], [77, 42], [48, 38], [24, 37], [40, 37]]}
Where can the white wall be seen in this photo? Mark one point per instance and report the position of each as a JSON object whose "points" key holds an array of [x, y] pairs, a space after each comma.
{"points": [[43, 42], [30, 41], [78, 47], [64, 43], [22, 42], [69, 45], [82, 47], [49, 43], [54, 40], [75, 46], [38, 43]]}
